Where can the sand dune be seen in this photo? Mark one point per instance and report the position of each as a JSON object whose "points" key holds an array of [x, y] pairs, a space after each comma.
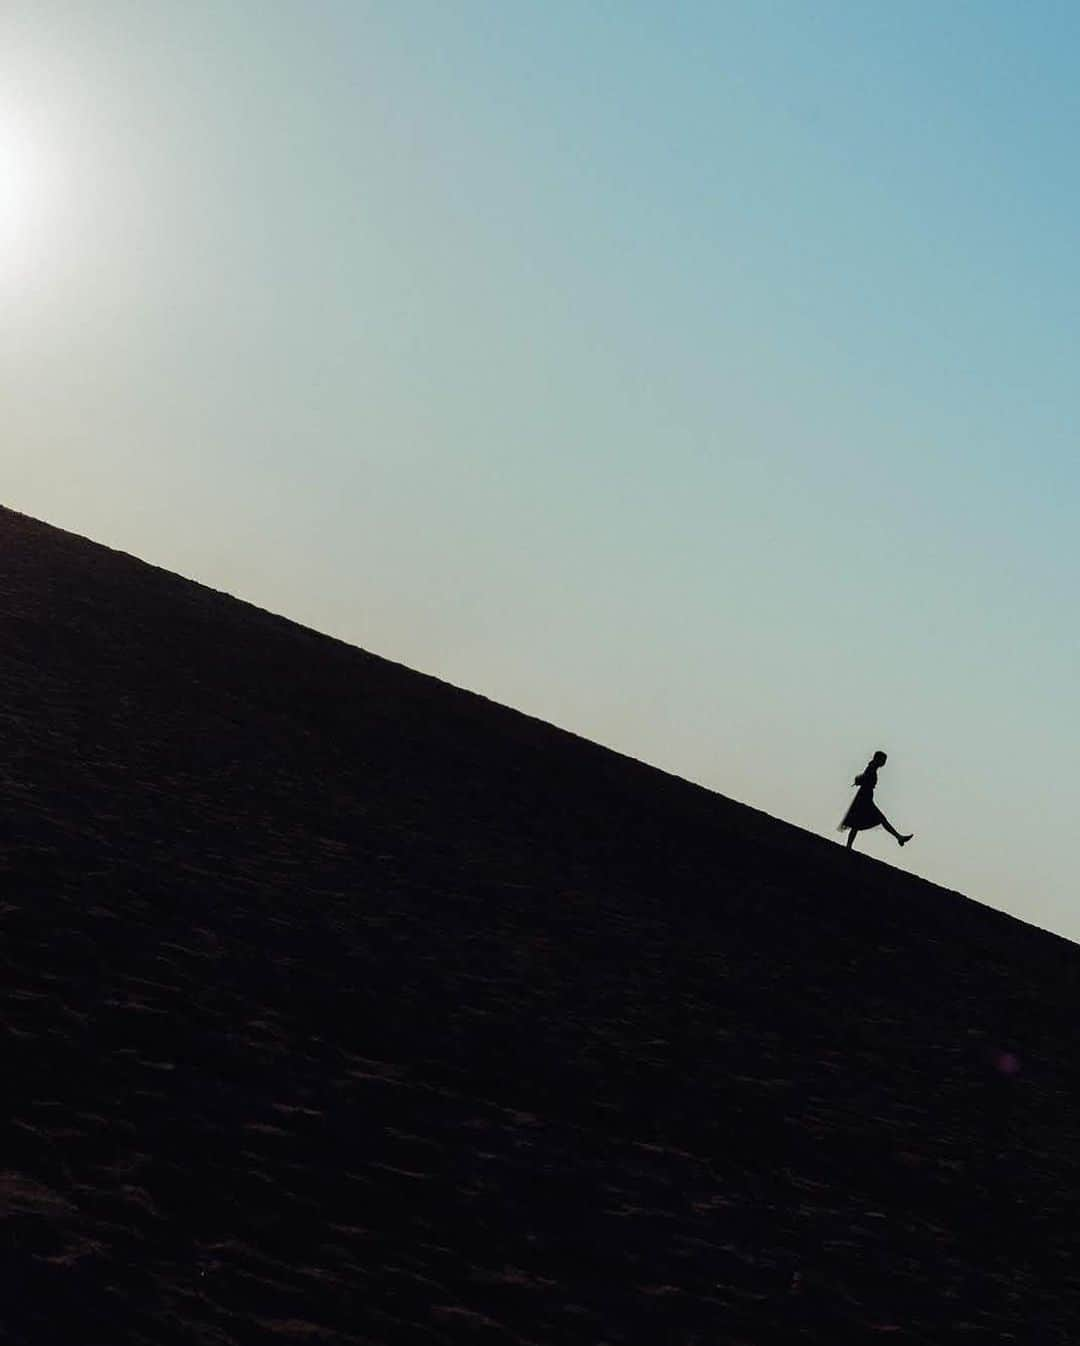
{"points": [[343, 1006]]}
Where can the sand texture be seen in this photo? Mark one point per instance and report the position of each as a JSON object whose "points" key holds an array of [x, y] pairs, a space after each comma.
{"points": [[340, 1006]]}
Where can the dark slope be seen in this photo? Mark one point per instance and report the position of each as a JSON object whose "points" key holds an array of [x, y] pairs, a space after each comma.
{"points": [[343, 1006]]}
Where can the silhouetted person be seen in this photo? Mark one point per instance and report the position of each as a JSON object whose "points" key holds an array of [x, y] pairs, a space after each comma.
{"points": [[864, 813]]}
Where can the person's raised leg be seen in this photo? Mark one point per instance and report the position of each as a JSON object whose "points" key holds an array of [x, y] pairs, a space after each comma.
{"points": [[903, 840]]}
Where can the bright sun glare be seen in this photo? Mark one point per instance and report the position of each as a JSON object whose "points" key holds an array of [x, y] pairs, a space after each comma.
{"points": [[26, 181]]}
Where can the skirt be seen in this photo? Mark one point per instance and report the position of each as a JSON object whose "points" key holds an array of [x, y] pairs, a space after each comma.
{"points": [[862, 814]]}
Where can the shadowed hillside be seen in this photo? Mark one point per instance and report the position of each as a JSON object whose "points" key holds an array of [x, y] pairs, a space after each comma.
{"points": [[341, 1006]]}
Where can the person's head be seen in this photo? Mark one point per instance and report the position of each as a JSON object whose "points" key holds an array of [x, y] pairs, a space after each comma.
{"points": [[879, 758]]}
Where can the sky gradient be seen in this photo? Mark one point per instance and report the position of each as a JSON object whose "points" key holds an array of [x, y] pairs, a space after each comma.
{"points": [[699, 377]]}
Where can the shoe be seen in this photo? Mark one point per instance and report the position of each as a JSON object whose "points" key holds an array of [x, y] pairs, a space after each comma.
{"points": [[904, 840]]}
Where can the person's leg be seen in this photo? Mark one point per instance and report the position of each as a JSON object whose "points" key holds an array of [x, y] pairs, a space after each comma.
{"points": [[893, 832], [850, 837]]}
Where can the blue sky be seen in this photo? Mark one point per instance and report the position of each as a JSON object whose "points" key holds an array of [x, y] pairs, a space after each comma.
{"points": [[697, 376]]}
